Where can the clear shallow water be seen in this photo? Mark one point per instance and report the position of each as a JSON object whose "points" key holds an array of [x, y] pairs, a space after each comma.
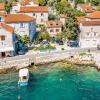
{"points": [[53, 82]]}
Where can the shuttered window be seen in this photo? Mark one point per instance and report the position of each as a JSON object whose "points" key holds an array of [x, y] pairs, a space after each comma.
{"points": [[2, 38]]}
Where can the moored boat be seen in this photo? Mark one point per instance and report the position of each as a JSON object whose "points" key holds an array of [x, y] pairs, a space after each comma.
{"points": [[23, 77]]}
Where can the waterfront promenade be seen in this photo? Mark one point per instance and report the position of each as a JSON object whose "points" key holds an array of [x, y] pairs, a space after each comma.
{"points": [[29, 58]]}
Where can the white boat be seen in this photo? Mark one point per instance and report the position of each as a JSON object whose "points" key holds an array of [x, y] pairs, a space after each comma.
{"points": [[23, 77]]}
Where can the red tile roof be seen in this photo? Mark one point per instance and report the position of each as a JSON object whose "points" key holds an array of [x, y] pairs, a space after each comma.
{"points": [[34, 9], [18, 18], [87, 8], [53, 23], [90, 23], [7, 27], [25, 2], [93, 15]]}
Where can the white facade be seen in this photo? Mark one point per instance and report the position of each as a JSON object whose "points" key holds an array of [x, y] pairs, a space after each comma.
{"points": [[24, 28], [6, 44], [41, 17], [16, 7], [90, 36], [53, 31]]}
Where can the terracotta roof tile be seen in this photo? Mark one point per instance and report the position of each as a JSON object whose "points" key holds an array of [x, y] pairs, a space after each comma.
{"points": [[7, 27], [95, 14], [53, 23], [18, 18], [34, 9], [87, 8], [90, 23], [25, 2]]}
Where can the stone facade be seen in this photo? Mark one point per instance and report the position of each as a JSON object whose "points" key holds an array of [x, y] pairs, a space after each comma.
{"points": [[7, 46], [24, 28], [90, 36]]}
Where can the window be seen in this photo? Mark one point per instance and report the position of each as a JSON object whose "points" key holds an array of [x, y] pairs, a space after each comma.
{"points": [[2, 38], [21, 25], [88, 34], [57, 30], [0, 19], [51, 30], [41, 20], [57, 24], [41, 14], [33, 14], [94, 33]]}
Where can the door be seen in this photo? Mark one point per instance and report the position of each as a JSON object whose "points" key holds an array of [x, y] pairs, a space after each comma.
{"points": [[3, 54]]}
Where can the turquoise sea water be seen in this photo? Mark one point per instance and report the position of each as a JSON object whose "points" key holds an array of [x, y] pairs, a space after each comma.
{"points": [[52, 82]]}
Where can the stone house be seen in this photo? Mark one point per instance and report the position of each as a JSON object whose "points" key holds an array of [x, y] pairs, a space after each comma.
{"points": [[53, 27], [16, 5], [23, 24], [38, 12], [7, 35], [90, 30]]}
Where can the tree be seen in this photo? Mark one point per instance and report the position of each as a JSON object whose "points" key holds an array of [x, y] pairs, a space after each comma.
{"points": [[42, 2], [95, 2], [8, 6], [78, 12], [61, 6], [59, 35], [79, 1], [51, 17], [71, 28], [51, 2], [43, 36], [26, 39]]}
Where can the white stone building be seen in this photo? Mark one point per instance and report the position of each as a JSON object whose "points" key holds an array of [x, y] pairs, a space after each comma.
{"points": [[90, 30], [23, 24], [53, 27], [7, 46], [16, 5], [38, 12]]}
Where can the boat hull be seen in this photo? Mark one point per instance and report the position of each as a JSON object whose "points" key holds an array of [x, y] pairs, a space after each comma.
{"points": [[23, 83]]}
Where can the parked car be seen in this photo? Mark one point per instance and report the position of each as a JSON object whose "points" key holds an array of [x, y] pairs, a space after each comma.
{"points": [[25, 48], [60, 42], [21, 52]]}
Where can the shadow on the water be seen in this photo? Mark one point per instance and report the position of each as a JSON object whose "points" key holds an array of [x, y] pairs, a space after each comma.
{"points": [[32, 80]]}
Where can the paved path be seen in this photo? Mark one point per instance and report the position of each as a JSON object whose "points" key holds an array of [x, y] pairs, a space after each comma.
{"points": [[39, 56]]}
